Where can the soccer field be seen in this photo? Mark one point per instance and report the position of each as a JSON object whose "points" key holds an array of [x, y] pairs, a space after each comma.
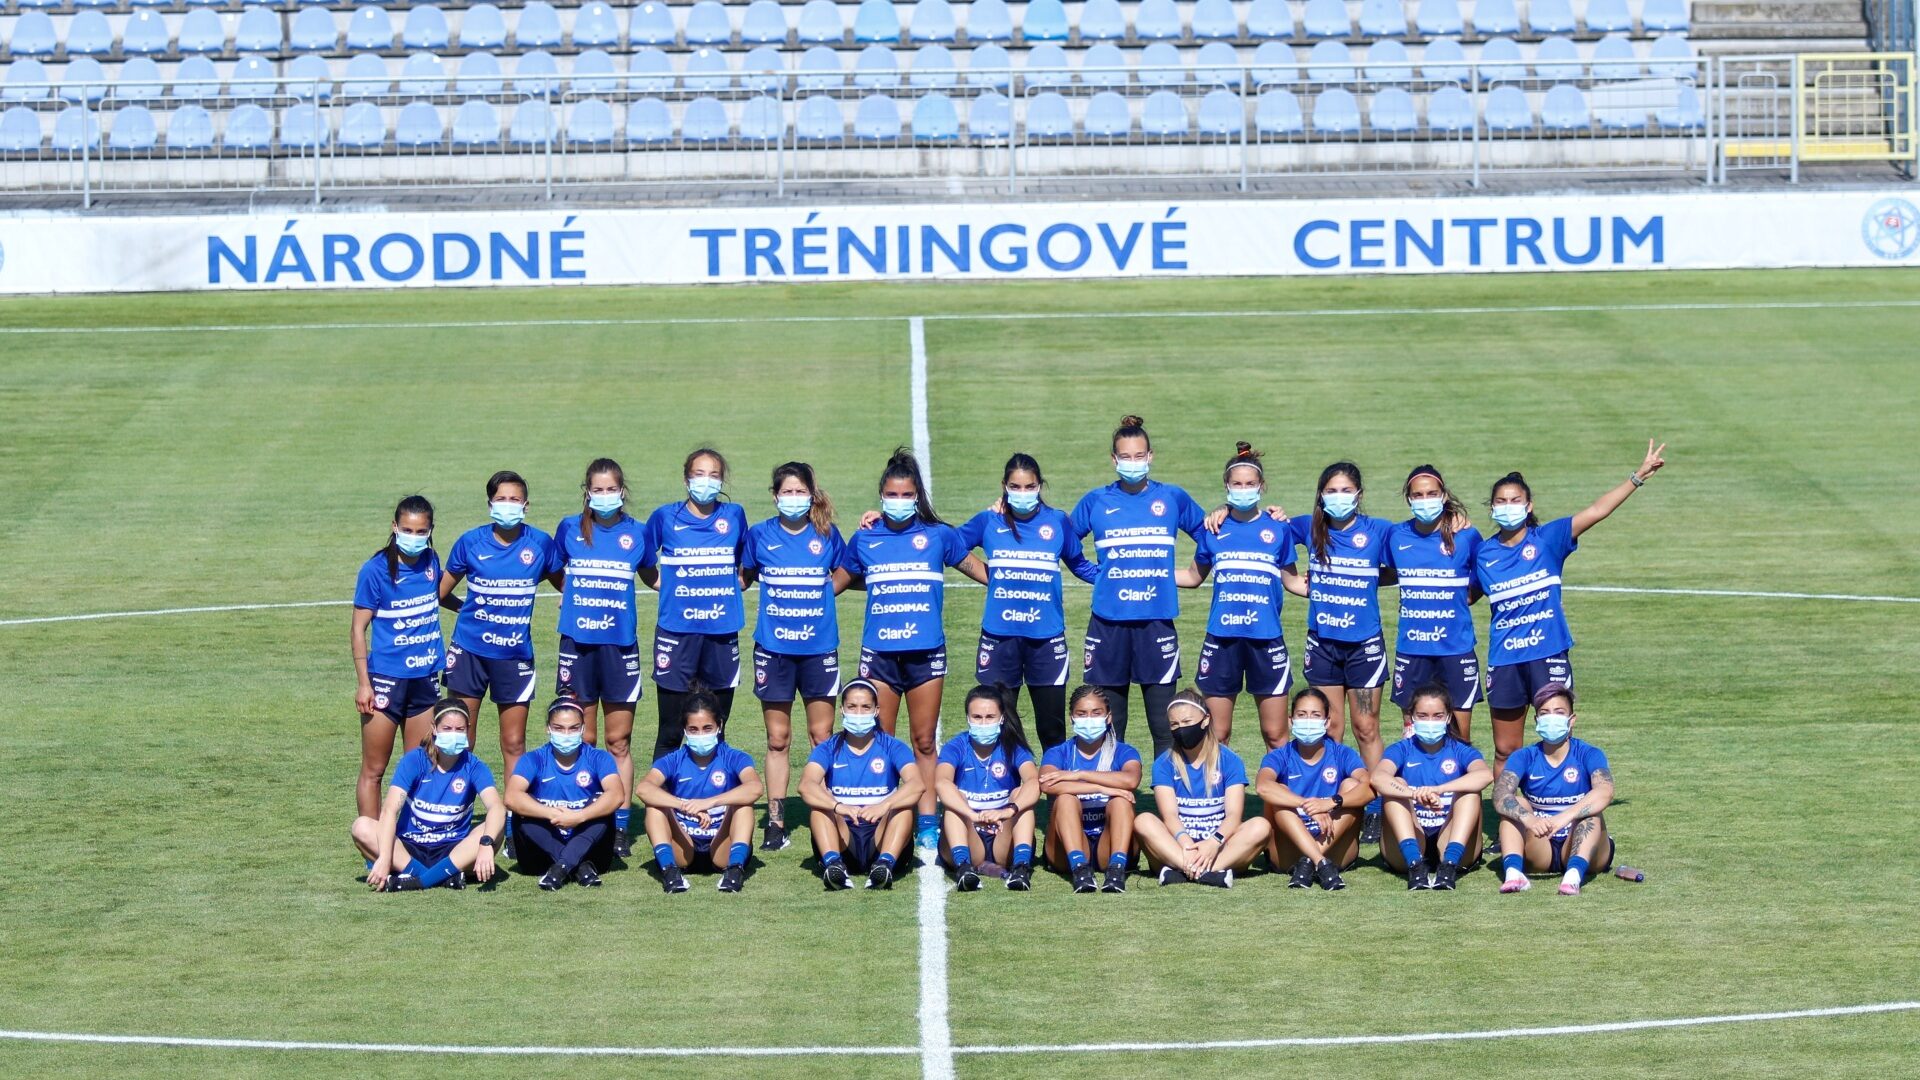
{"points": [[179, 782]]}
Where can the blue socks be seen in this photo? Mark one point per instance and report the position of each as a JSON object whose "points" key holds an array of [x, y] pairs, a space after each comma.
{"points": [[737, 855], [1118, 860], [437, 873], [926, 823], [1453, 853], [664, 854], [1076, 859], [1513, 866], [369, 863], [622, 816], [1022, 854], [1374, 806], [962, 856], [1576, 869], [829, 858], [887, 861], [1410, 851]]}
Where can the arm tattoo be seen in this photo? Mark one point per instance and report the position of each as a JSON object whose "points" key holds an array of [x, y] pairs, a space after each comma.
{"points": [[1603, 774], [1506, 795]]}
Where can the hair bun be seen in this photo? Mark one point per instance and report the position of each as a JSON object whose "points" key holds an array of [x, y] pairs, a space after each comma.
{"points": [[1131, 420], [1243, 448]]}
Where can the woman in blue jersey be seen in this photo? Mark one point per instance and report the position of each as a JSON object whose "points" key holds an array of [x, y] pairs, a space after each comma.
{"points": [[1200, 832], [1091, 779], [796, 638], [600, 550], [1518, 570], [900, 562], [1431, 782], [862, 786], [1550, 798], [1130, 634], [562, 797], [1433, 554], [397, 651], [424, 835], [989, 784], [693, 559], [1250, 556], [699, 797], [1313, 791]]}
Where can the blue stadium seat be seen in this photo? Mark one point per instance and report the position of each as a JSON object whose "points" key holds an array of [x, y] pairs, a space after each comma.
{"points": [[1160, 65], [252, 79], [933, 68], [1607, 16], [249, 127], [819, 120], [989, 20], [990, 116], [200, 32], [1100, 20], [190, 128], [309, 76], [596, 25], [88, 33], [1165, 116], [989, 65], [1048, 116], [1387, 62], [763, 23], [820, 69], [139, 80], [480, 74], [763, 70], [707, 24], [144, 35], [1326, 19], [1155, 20], [651, 24], [1392, 112], [1558, 59], [482, 26], [705, 121], [1217, 64], [420, 124], [534, 124], [475, 123], [594, 73], [651, 71], [1214, 20], [1045, 20], [20, 130], [1046, 66], [1550, 17], [820, 22], [1336, 112], [361, 68], [935, 118], [761, 120], [1278, 113], [1439, 17], [1629, 115], [1613, 58], [1270, 20], [1508, 110], [304, 127], [1450, 110], [195, 79], [313, 29], [1383, 18], [648, 121], [1107, 116], [538, 26], [1221, 114], [33, 35], [370, 29], [75, 127], [133, 130], [425, 28], [363, 126], [1664, 15], [1097, 59], [876, 20], [24, 79], [1684, 114], [83, 80], [1330, 61], [1565, 109], [1671, 57], [536, 73], [1445, 61], [258, 30], [1500, 59], [423, 74], [876, 69], [707, 71], [1273, 64], [1495, 17], [878, 117]]}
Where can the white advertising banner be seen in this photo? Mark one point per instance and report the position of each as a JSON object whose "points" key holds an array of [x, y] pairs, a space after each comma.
{"points": [[325, 250]]}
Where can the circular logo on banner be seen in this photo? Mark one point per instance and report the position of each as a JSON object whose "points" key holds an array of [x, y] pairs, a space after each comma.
{"points": [[1529, 551], [1891, 228], [815, 547], [1570, 775], [1329, 774], [920, 542], [1449, 767], [526, 556], [721, 526], [458, 785], [1046, 532], [1159, 508], [583, 778], [626, 543]]}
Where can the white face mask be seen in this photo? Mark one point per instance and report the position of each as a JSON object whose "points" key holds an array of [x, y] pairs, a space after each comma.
{"points": [[1553, 727], [1429, 731], [1427, 511], [1510, 515], [1309, 730]]}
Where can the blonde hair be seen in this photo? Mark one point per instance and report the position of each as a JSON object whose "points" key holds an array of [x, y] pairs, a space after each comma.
{"points": [[1209, 755]]}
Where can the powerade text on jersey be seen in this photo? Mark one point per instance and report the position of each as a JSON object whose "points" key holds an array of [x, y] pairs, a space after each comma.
{"points": [[906, 582], [1246, 557], [862, 779], [496, 617], [1023, 571], [1522, 586], [796, 587], [1134, 538], [596, 607], [1202, 807], [405, 642], [699, 560], [1434, 618], [1343, 598], [439, 805]]}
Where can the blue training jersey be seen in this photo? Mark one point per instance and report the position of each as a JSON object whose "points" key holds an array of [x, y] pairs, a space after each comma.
{"points": [[1134, 537], [1434, 618], [1313, 779], [1246, 557], [905, 573], [572, 788], [1343, 596], [797, 615], [1522, 586], [1203, 806], [1448, 762], [1023, 571], [1550, 788], [496, 617], [699, 560], [1068, 758], [687, 778], [439, 805], [596, 604], [987, 783], [404, 642], [862, 778]]}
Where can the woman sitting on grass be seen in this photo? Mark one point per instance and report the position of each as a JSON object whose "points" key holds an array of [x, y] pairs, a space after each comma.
{"points": [[1200, 787], [563, 796], [1550, 798], [425, 829], [862, 786], [699, 797], [987, 781], [1091, 779]]}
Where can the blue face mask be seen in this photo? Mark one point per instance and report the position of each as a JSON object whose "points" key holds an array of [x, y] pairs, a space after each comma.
{"points": [[703, 489], [565, 742], [899, 509], [1309, 730], [858, 723], [450, 743], [606, 504], [1510, 515], [507, 514], [1429, 731], [703, 744], [1133, 471], [1243, 498], [1022, 502], [409, 544], [984, 734], [1427, 511], [1552, 727], [1089, 727], [793, 506], [1339, 504]]}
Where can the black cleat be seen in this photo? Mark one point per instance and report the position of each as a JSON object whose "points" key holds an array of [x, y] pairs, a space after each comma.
{"points": [[880, 877], [1302, 876], [458, 880], [1170, 876], [834, 876], [1328, 875], [1370, 828], [402, 883], [1418, 878], [555, 877], [1083, 879], [1219, 879], [1446, 876], [732, 878], [586, 876], [672, 880], [965, 879], [621, 845], [1020, 878], [1116, 880], [774, 837]]}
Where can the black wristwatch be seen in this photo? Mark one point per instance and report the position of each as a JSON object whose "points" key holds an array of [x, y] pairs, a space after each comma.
{"points": [[486, 841]]}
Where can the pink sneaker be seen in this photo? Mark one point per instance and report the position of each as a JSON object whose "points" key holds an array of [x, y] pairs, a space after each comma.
{"points": [[1568, 888], [1518, 884]]}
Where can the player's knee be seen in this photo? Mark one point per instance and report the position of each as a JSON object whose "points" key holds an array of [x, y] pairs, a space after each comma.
{"points": [[778, 743]]}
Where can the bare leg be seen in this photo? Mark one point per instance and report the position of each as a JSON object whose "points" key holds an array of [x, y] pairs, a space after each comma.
{"points": [[1247, 840], [1221, 710], [779, 718], [1364, 704], [1064, 833], [376, 749], [1275, 725], [1119, 832], [923, 722], [1336, 711], [894, 834], [1158, 841], [513, 735], [1509, 735], [1399, 825], [829, 832], [620, 739], [1463, 827], [366, 836]]}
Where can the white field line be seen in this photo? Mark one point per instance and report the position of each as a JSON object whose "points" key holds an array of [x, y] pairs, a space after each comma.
{"points": [[1001, 316], [905, 1051]]}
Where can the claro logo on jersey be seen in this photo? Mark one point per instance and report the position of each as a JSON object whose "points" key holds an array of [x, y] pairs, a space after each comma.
{"points": [[398, 257]]}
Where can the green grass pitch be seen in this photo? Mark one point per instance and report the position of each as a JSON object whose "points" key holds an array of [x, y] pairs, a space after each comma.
{"points": [[178, 788]]}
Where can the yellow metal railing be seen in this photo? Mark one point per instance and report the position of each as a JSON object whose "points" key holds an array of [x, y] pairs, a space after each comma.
{"points": [[1855, 106]]}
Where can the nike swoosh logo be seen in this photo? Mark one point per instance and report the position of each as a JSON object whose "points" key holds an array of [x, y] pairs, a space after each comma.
{"points": [[677, 528], [773, 547], [483, 558], [548, 779], [1113, 509], [1404, 547], [876, 543], [842, 765], [1294, 775], [1530, 776], [1003, 529]]}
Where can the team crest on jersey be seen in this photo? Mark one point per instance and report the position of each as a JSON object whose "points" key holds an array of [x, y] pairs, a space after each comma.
{"points": [[583, 778], [1329, 774], [721, 526], [458, 785], [1086, 657], [526, 556], [986, 658], [1527, 551], [878, 765], [998, 769], [1046, 532], [863, 669], [1159, 508], [1449, 767], [1206, 665], [662, 660], [760, 676], [379, 701], [815, 547], [1570, 774], [626, 542], [453, 657], [717, 777], [920, 542], [1360, 540], [1266, 536]]}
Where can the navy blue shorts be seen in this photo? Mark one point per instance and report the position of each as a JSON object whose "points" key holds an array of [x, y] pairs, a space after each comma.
{"points": [[1019, 661], [1459, 674], [777, 676], [428, 854], [679, 659], [863, 846], [592, 673], [1560, 849], [1356, 665], [397, 699], [902, 671], [511, 681], [1144, 651], [1227, 665], [1512, 686], [1093, 823]]}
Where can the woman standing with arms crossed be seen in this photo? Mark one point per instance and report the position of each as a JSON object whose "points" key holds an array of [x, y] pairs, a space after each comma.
{"points": [[395, 598]]}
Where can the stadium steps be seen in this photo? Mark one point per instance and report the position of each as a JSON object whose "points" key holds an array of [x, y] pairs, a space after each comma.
{"points": [[1750, 26]]}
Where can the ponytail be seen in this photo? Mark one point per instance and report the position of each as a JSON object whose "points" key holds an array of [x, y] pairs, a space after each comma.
{"points": [[412, 504], [1243, 454], [1452, 512], [1351, 471], [1520, 482], [821, 516], [904, 466], [598, 467]]}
